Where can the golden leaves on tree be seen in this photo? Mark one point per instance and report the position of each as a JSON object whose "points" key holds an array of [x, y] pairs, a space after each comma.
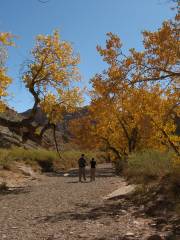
{"points": [[135, 101], [5, 40], [51, 76]]}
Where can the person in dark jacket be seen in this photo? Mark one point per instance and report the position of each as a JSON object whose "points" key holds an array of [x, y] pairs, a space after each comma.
{"points": [[93, 169], [82, 165]]}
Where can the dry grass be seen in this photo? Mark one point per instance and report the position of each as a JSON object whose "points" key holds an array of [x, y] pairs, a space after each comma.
{"points": [[49, 159], [30, 156]]}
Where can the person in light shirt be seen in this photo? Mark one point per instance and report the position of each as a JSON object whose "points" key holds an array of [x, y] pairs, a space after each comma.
{"points": [[93, 169]]}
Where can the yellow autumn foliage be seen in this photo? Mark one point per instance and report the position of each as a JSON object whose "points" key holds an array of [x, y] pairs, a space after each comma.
{"points": [[136, 100], [5, 40], [51, 76]]}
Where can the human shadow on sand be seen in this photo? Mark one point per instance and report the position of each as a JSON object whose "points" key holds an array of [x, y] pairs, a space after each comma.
{"points": [[87, 181], [73, 173]]}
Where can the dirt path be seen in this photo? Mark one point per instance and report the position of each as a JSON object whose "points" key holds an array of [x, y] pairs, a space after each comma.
{"points": [[60, 207]]}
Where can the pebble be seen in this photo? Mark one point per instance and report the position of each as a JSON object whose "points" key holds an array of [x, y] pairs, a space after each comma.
{"points": [[83, 235], [123, 211], [66, 174], [129, 234], [136, 222]]}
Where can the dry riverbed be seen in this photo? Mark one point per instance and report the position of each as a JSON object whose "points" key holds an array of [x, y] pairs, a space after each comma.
{"points": [[59, 207]]}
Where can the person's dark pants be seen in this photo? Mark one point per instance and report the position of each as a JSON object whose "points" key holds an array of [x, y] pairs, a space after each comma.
{"points": [[82, 172], [93, 171]]}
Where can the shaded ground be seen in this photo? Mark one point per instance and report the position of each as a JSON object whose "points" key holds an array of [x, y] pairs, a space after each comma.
{"points": [[60, 207]]}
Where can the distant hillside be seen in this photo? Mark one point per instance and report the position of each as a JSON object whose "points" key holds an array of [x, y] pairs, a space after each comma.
{"points": [[9, 138], [41, 118]]}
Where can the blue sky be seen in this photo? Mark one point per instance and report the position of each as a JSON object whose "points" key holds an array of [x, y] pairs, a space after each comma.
{"points": [[84, 23]]}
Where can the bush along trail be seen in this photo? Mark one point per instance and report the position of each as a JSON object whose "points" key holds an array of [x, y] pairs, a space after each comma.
{"points": [[59, 207]]}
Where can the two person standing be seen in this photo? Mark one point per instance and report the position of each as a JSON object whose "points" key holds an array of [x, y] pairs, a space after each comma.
{"points": [[82, 165]]}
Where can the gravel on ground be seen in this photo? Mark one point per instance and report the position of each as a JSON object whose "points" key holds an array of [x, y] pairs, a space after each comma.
{"points": [[59, 207]]}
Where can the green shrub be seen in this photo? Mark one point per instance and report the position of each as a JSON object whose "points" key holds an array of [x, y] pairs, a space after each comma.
{"points": [[46, 159], [149, 165], [120, 165]]}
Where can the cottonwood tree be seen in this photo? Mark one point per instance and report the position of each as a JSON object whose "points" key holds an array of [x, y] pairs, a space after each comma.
{"points": [[50, 77], [135, 101]]}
